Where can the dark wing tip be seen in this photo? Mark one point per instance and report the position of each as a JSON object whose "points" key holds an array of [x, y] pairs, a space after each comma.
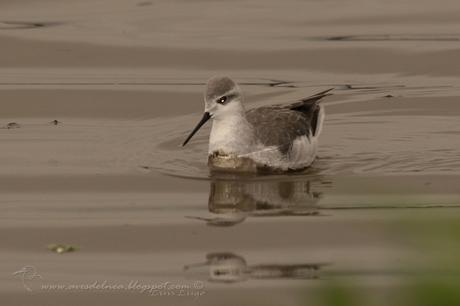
{"points": [[319, 95], [325, 91], [307, 104]]}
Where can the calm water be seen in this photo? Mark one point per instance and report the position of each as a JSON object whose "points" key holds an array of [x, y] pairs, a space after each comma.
{"points": [[374, 217]]}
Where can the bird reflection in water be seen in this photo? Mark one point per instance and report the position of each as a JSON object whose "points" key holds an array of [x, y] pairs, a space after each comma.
{"points": [[227, 267], [231, 201]]}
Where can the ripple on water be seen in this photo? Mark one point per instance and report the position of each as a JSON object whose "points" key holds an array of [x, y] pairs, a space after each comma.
{"points": [[399, 145], [391, 37], [24, 25]]}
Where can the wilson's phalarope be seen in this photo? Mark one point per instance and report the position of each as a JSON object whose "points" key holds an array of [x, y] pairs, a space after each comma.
{"points": [[276, 137]]}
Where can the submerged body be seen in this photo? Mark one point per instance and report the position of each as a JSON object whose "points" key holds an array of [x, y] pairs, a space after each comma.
{"points": [[270, 138]]}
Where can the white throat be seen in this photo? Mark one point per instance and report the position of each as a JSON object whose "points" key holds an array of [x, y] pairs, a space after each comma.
{"points": [[231, 134]]}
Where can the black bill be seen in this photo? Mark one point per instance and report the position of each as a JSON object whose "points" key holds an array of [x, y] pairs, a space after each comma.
{"points": [[206, 117]]}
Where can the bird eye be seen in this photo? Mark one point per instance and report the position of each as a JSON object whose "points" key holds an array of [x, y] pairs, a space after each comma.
{"points": [[222, 100]]}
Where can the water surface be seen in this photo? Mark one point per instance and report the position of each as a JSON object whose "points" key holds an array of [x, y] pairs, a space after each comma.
{"points": [[376, 211]]}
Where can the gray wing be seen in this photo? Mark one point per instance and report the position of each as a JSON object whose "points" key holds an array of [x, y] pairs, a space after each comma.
{"points": [[277, 126], [280, 125]]}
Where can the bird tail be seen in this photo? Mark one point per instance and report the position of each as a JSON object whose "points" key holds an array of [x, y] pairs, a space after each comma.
{"points": [[310, 107]]}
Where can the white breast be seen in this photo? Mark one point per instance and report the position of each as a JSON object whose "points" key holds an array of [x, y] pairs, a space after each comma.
{"points": [[233, 135]]}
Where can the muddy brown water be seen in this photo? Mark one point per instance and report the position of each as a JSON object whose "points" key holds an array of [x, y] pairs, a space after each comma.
{"points": [[124, 79]]}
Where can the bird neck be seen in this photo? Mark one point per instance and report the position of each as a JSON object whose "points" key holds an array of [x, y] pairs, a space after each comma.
{"points": [[231, 134]]}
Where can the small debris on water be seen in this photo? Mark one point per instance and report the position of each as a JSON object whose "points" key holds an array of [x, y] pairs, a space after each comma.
{"points": [[13, 125], [62, 248], [144, 3], [389, 96], [145, 168]]}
